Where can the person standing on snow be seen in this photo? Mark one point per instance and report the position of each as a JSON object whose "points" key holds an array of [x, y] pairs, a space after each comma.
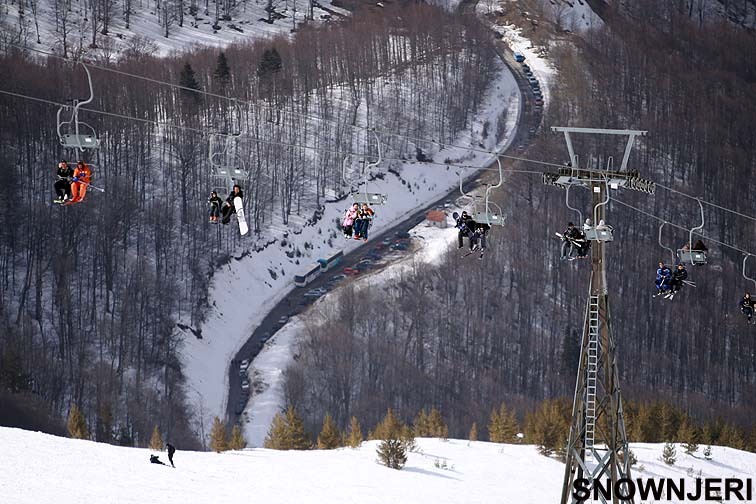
{"points": [[171, 451]]}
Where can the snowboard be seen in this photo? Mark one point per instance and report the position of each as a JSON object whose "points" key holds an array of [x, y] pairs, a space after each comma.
{"points": [[243, 228]]}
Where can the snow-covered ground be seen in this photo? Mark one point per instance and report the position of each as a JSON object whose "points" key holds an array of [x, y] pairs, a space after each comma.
{"points": [[147, 22], [40, 469], [244, 290]]}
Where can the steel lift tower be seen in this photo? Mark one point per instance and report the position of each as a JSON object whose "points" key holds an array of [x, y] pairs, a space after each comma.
{"points": [[597, 448]]}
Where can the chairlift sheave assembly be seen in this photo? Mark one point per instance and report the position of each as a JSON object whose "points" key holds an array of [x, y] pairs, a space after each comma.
{"points": [[73, 133]]}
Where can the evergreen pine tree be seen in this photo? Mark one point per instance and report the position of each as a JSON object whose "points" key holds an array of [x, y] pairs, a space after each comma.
{"points": [[421, 425], [436, 424], [156, 442], [669, 455], [668, 421], [222, 73], [295, 430], [473, 432], [270, 63], [392, 453], [329, 437], [707, 452], [218, 438], [277, 438], [494, 427], [731, 436], [77, 424], [187, 79], [408, 438], [509, 427], [354, 438], [688, 435], [389, 428], [548, 428], [237, 439]]}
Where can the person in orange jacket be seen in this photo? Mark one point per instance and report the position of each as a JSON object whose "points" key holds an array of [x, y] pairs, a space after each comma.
{"points": [[82, 175]]}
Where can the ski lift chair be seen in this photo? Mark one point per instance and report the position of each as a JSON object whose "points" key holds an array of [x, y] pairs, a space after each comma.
{"points": [[694, 257], [601, 231], [369, 198], [75, 134]]}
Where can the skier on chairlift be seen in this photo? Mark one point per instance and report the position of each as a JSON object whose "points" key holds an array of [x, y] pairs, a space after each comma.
{"points": [[350, 216], [479, 235], [215, 206], [228, 207], [63, 184], [678, 279], [82, 175], [573, 243], [747, 305], [363, 221], [465, 226], [663, 279]]}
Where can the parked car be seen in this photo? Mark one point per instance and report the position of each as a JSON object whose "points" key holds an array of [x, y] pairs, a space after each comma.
{"points": [[245, 384], [519, 57], [528, 73], [243, 366], [265, 337], [537, 92], [351, 271], [526, 67], [386, 241], [240, 407], [403, 234], [539, 101], [283, 319], [337, 278], [399, 246]]}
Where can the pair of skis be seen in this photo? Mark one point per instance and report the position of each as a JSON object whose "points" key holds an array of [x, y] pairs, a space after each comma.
{"points": [[472, 251], [670, 294]]}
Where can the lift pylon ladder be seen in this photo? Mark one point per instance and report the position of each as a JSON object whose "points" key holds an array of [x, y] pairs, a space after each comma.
{"points": [[597, 448]]}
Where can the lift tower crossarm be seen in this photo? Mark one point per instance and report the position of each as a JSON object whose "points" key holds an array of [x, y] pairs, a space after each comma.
{"points": [[630, 133]]}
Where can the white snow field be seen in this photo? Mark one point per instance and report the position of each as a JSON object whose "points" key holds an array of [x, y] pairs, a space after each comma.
{"points": [[40, 469]]}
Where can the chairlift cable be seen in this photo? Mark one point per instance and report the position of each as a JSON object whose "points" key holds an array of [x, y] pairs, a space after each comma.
{"points": [[653, 216], [415, 140], [720, 207], [206, 131]]}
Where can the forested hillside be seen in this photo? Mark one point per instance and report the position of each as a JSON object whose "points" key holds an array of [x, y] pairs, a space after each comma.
{"points": [[462, 336], [91, 293]]}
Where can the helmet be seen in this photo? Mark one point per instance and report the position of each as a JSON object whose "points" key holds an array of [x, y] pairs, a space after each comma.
{"points": [[570, 224]]}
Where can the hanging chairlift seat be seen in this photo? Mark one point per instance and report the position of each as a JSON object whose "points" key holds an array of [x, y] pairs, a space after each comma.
{"points": [[695, 257], [490, 218], [602, 232], [369, 198]]}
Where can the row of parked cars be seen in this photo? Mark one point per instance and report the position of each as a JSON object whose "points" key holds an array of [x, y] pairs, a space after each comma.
{"points": [[534, 84]]}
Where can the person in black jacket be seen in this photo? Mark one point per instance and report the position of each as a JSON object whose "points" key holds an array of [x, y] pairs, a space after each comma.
{"points": [[171, 451], [63, 184], [466, 227], [154, 459], [573, 242], [228, 205], [747, 306], [215, 205], [678, 276], [479, 235]]}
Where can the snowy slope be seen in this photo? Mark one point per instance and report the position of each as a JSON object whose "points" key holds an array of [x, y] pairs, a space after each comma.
{"points": [[77, 472], [245, 24]]}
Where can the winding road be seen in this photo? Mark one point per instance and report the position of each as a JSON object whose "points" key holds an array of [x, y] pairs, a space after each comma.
{"points": [[295, 302]]}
